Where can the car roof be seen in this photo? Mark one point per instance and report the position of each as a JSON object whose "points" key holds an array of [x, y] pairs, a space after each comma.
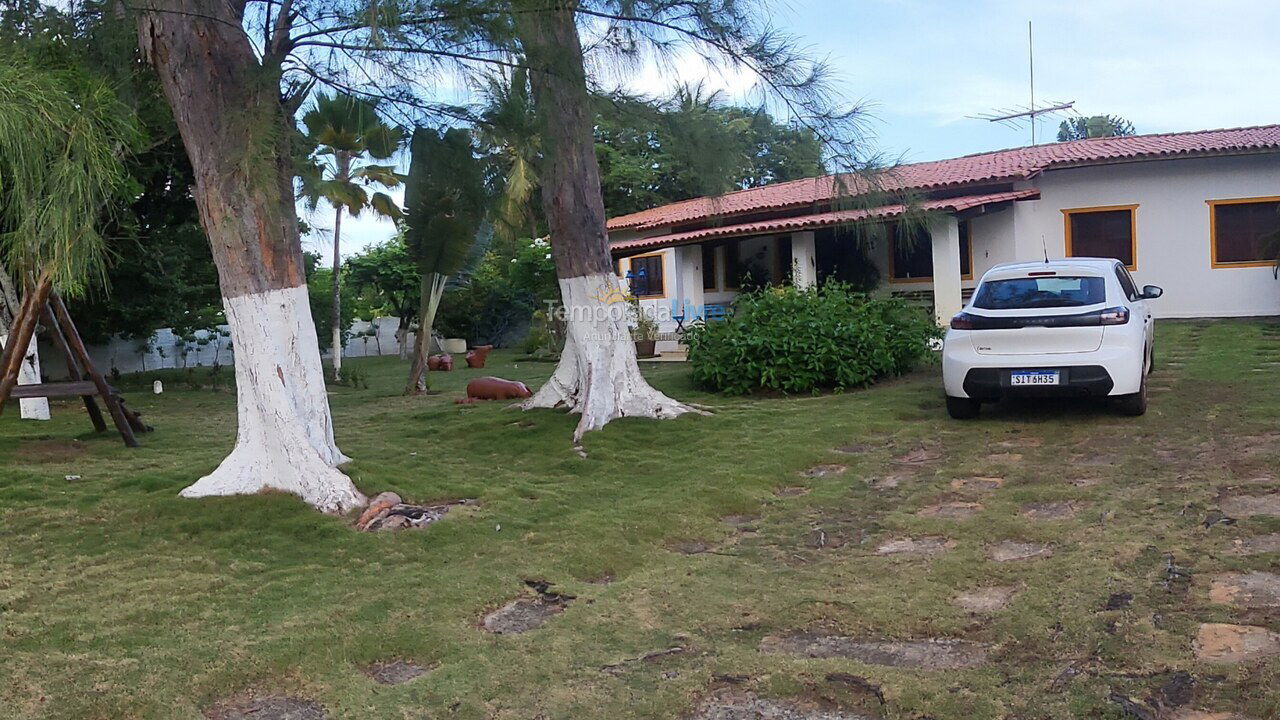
{"points": [[1088, 266]]}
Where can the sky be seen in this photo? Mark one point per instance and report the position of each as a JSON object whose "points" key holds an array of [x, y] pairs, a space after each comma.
{"points": [[921, 68]]}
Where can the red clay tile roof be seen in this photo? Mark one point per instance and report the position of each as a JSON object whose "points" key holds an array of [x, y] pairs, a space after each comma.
{"points": [[998, 166], [809, 222]]}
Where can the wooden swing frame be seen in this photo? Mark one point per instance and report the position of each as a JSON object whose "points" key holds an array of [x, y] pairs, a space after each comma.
{"points": [[42, 304]]}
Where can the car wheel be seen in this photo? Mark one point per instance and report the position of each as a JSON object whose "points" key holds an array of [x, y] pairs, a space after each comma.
{"points": [[962, 408], [1135, 404]]}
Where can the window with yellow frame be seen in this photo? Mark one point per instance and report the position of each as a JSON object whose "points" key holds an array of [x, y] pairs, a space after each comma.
{"points": [[646, 277], [1244, 232], [1109, 231]]}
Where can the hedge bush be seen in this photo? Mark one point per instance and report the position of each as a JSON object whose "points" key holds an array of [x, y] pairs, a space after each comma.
{"points": [[799, 341]]}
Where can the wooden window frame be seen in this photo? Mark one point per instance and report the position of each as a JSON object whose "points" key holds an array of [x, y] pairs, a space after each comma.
{"points": [[661, 263], [1133, 228], [1213, 233], [891, 236], [968, 224]]}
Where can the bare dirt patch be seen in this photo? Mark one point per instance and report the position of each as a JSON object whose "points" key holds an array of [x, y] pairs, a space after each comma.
{"points": [[818, 471], [1186, 714], [1256, 545], [855, 448], [977, 483], [929, 545], [394, 672], [919, 456], [50, 450], [1020, 442], [1225, 644], [269, 707], [1245, 506], [691, 547], [1005, 458], [734, 704], [950, 510], [890, 481], [528, 613], [1246, 590], [1011, 550], [928, 654], [1058, 510], [985, 599], [743, 523], [791, 491]]}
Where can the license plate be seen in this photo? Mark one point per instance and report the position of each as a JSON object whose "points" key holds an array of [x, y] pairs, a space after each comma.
{"points": [[1033, 377]]}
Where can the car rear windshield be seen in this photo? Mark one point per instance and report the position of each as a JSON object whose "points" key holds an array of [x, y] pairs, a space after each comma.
{"points": [[1040, 292]]}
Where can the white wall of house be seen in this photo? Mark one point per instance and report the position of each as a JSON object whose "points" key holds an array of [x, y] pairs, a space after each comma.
{"points": [[1172, 239], [1173, 245]]}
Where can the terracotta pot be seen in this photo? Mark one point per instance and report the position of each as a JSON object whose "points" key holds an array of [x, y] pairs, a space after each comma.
{"points": [[477, 355], [646, 348]]}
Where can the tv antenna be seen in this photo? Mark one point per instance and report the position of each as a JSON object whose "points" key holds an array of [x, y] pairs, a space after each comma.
{"points": [[1016, 116]]}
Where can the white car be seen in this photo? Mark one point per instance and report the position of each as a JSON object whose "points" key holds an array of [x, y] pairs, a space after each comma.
{"points": [[1075, 327]]}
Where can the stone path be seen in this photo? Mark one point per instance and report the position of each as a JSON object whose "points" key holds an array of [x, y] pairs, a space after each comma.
{"points": [[1011, 550], [928, 654], [930, 545], [1246, 590], [269, 707], [1225, 644], [986, 599], [951, 510], [1247, 506], [742, 705]]}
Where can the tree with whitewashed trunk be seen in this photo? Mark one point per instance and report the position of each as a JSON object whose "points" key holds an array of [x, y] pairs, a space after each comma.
{"points": [[235, 125], [344, 129], [445, 200], [598, 375]]}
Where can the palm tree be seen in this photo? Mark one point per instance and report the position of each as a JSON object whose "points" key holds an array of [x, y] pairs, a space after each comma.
{"points": [[508, 130], [344, 130], [445, 199]]}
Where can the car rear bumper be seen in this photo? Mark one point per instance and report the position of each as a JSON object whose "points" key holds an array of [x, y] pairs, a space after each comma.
{"points": [[1109, 370], [1073, 380]]}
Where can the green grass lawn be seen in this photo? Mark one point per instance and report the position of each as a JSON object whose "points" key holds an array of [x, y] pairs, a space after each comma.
{"points": [[120, 600]]}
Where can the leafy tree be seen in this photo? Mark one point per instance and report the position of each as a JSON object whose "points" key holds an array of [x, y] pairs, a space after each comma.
{"points": [[693, 144], [1081, 128], [345, 129], [389, 274], [320, 298], [445, 198]]}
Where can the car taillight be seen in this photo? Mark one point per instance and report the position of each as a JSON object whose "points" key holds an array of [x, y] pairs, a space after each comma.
{"points": [[962, 321], [1114, 316]]}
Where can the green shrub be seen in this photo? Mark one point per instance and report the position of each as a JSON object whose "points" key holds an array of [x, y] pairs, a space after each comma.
{"points": [[829, 338]]}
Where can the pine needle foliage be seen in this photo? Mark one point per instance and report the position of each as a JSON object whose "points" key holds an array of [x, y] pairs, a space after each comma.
{"points": [[63, 137]]}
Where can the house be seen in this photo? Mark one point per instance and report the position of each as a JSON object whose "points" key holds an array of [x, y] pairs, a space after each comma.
{"points": [[1187, 211]]}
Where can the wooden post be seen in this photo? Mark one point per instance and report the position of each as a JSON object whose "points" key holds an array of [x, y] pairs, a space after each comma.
{"points": [[73, 368], [82, 355], [24, 326]]}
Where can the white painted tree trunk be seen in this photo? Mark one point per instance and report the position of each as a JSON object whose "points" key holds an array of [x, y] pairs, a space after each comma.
{"points": [[284, 440], [598, 375], [29, 374]]}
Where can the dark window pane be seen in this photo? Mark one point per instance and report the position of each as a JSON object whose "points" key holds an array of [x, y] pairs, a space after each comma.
{"points": [[912, 254], [1045, 292], [1103, 234], [646, 276], [1244, 232], [782, 262], [733, 269], [966, 249], [708, 267]]}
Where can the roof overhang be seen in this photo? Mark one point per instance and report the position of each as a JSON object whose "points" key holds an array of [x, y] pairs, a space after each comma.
{"points": [[832, 218]]}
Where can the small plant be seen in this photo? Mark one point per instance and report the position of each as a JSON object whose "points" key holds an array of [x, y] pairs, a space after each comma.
{"points": [[645, 328], [792, 340], [353, 377]]}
